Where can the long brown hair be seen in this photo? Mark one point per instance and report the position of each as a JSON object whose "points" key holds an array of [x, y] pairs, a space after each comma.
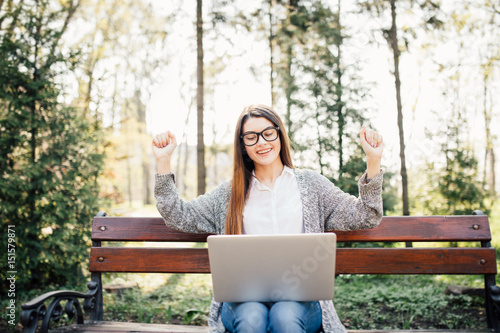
{"points": [[243, 165]]}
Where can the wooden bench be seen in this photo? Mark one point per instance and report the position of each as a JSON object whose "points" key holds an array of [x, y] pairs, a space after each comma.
{"points": [[477, 259]]}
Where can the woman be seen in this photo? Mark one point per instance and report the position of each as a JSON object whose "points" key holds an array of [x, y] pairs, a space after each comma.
{"points": [[268, 196]]}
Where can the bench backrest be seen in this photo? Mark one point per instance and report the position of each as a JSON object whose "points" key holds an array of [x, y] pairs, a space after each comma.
{"points": [[477, 258]]}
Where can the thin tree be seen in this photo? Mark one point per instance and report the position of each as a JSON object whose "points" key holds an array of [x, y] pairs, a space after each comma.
{"points": [[271, 51], [289, 79], [489, 63], [339, 105], [199, 99], [489, 160], [393, 42]]}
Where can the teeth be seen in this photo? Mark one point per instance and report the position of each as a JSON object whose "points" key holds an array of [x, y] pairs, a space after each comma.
{"points": [[264, 151]]}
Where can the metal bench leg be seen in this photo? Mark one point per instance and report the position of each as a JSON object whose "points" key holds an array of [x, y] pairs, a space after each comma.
{"points": [[492, 302], [97, 311]]}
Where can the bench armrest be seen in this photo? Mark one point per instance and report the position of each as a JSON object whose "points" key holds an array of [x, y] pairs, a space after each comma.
{"points": [[35, 310]]}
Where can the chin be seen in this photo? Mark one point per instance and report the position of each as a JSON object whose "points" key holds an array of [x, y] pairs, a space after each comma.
{"points": [[267, 161]]}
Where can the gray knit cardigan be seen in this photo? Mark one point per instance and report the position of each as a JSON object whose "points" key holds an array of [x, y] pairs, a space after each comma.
{"points": [[325, 207]]}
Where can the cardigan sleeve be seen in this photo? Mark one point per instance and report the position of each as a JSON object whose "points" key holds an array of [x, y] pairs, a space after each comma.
{"points": [[343, 211], [205, 214]]}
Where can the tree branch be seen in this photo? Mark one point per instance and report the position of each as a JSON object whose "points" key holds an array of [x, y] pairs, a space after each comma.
{"points": [[73, 6], [12, 13]]}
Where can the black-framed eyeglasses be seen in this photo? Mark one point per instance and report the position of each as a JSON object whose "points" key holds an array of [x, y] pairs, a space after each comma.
{"points": [[269, 134]]}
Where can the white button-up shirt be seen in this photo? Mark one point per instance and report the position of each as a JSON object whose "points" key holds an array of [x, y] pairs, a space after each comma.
{"points": [[274, 211]]}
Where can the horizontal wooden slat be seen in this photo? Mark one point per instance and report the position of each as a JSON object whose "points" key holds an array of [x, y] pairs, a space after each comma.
{"points": [[391, 229], [149, 260], [349, 261], [416, 261], [422, 229], [139, 229]]}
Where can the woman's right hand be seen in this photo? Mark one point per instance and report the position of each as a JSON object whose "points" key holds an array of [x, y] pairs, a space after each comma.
{"points": [[164, 145]]}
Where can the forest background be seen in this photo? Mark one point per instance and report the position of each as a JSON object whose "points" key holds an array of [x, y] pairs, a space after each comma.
{"points": [[85, 84]]}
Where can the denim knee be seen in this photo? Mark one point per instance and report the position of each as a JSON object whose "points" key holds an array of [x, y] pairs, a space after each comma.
{"points": [[295, 317], [272, 317], [245, 317]]}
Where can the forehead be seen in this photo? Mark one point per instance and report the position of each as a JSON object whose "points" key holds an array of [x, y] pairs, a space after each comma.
{"points": [[254, 124]]}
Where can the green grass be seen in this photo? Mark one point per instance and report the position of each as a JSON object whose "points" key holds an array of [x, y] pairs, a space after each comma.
{"points": [[404, 302], [183, 299]]}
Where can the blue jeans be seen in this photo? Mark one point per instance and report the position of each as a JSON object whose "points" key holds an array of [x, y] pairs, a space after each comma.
{"points": [[272, 317]]}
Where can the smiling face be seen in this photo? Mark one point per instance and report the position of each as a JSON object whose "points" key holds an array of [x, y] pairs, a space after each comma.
{"points": [[263, 153]]}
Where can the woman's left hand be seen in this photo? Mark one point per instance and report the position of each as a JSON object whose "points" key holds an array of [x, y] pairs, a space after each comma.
{"points": [[372, 143], [373, 146]]}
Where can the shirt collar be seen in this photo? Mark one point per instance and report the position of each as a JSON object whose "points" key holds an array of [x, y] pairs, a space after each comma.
{"points": [[286, 169]]}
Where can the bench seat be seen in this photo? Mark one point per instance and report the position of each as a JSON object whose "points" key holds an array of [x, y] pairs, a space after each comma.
{"points": [[112, 327]]}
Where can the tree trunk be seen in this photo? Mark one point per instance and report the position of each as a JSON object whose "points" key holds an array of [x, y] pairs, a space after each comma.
{"points": [[199, 100], [288, 93], [126, 128], [88, 96], [33, 189], [271, 53], [184, 169], [129, 181], [394, 45], [320, 142], [490, 153], [141, 118], [113, 99], [292, 5], [491, 178], [338, 93]]}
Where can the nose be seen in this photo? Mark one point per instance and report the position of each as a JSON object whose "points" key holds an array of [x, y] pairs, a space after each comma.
{"points": [[260, 137]]}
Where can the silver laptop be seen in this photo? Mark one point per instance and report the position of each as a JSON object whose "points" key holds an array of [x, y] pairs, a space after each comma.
{"points": [[272, 268]]}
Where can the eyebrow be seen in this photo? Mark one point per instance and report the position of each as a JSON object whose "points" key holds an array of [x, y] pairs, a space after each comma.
{"points": [[248, 132]]}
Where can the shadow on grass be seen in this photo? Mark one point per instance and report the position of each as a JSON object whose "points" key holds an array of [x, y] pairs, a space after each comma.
{"points": [[405, 302]]}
